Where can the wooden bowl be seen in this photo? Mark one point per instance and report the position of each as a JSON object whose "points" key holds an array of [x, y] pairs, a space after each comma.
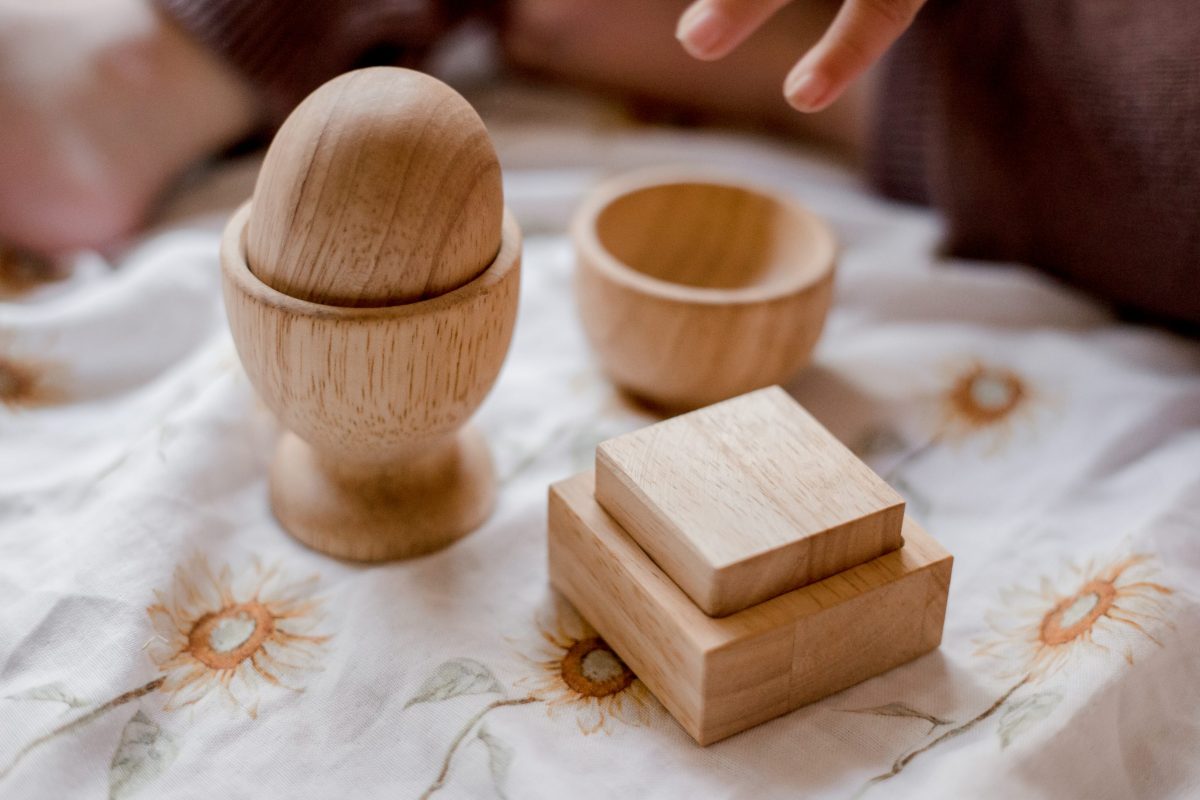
{"points": [[694, 289]]}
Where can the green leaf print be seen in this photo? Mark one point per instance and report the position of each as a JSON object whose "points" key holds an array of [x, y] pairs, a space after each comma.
{"points": [[454, 678]]}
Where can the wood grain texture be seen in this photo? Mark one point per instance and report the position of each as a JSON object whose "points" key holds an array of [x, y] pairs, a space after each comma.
{"points": [[746, 499], [378, 398], [718, 677], [694, 289], [382, 187]]}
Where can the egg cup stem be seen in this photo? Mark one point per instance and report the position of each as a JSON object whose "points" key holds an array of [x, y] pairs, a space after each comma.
{"points": [[383, 509]]}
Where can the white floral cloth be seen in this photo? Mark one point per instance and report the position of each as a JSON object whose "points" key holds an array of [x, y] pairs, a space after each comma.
{"points": [[161, 637]]}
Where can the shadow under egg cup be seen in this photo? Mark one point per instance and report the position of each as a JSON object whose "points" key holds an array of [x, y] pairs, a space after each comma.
{"points": [[378, 461], [695, 289]]}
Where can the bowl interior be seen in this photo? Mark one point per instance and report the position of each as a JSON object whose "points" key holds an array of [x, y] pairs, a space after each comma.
{"points": [[713, 236]]}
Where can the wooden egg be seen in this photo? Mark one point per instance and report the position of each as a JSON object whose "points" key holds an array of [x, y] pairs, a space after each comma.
{"points": [[382, 187], [693, 289]]}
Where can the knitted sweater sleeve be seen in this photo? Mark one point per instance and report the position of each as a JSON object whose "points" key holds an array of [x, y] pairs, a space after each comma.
{"points": [[286, 48]]}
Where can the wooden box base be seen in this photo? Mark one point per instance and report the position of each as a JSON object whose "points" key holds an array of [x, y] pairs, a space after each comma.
{"points": [[720, 676]]}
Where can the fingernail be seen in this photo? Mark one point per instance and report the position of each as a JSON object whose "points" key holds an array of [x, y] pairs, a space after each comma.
{"points": [[806, 90], [700, 30]]}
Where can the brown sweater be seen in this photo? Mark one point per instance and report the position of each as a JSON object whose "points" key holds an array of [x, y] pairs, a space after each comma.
{"points": [[287, 48], [1062, 134]]}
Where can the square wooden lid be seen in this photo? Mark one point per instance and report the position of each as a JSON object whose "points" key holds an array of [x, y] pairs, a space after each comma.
{"points": [[747, 499]]}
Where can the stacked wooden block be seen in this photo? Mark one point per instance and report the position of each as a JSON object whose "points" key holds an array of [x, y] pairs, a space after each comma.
{"points": [[744, 563]]}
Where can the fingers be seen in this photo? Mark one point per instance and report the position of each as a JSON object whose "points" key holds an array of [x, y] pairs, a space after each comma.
{"points": [[859, 36], [710, 29]]}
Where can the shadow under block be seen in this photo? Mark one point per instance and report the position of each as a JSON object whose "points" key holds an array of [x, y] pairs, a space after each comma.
{"points": [[721, 676], [747, 499]]}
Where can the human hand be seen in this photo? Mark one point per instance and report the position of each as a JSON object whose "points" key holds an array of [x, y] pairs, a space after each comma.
{"points": [[860, 34], [622, 47]]}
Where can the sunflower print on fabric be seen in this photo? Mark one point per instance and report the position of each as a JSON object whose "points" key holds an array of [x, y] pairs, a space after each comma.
{"points": [[1106, 608], [237, 636], [577, 674]]}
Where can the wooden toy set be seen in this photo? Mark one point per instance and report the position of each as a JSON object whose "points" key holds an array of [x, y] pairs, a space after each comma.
{"points": [[738, 557], [744, 563]]}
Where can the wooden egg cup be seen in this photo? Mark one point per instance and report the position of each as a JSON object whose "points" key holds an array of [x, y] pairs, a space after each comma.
{"points": [[377, 463], [694, 289]]}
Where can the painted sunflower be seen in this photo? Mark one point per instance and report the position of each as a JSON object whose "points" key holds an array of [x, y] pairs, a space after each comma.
{"points": [[1107, 608], [25, 383], [578, 673], [21, 272], [984, 397], [238, 635]]}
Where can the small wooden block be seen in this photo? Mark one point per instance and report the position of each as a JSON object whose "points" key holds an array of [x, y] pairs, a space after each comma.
{"points": [[721, 676], [747, 499]]}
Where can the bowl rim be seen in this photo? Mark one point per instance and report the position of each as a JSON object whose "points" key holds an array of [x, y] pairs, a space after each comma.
{"points": [[235, 269], [617, 187]]}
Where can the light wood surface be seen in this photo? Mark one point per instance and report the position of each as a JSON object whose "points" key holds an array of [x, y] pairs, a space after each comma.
{"points": [[718, 677], [694, 288], [382, 187], [746, 499], [379, 466]]}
